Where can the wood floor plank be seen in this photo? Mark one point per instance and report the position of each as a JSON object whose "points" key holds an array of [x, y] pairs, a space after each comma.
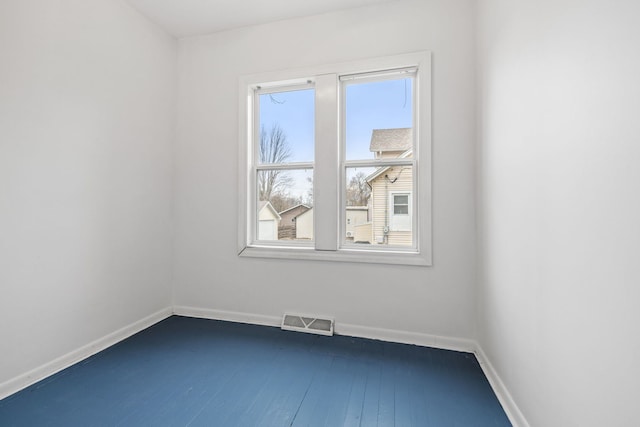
{"points": [[281, 396], [327, 400], [371, 399], [353, 416]]}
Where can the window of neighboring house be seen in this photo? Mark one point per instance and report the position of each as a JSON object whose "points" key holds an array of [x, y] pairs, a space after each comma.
{"points": [[400, 204], [350, 142], [400, 219]]}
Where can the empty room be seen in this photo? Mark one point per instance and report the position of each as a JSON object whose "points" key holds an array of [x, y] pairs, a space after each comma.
{"points": [[319, 213]]}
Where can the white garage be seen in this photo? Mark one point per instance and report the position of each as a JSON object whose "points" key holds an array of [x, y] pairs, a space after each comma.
{"points": [[268, 220]]}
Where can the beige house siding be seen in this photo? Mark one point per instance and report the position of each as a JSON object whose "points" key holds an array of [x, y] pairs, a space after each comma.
{"points": [[355, 215], [304, 225], [381, 188], [288, 215], [362, 233], [388, 155], [287, 227]]}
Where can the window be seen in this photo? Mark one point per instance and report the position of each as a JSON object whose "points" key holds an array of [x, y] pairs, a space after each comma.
{"points": [[335, 162], [401, 204], [400, 208]]}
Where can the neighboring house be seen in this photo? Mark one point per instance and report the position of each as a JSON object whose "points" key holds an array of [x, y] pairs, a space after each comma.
{"points": [[304, 225], [287, 227], [355, 215], [391, 187], [268, 221], [388, 217]]}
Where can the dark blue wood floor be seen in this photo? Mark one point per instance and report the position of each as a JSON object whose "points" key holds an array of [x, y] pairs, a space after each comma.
{"points": [[194, 372]]}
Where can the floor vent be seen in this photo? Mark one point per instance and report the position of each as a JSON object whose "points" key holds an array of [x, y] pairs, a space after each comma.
{"points": [[311, 325]]}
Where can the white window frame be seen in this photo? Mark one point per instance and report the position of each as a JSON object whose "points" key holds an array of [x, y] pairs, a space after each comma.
{"points": [[328, 168]]}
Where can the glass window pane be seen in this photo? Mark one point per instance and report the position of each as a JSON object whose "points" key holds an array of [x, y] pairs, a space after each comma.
{"points": [[401, 204], [378, 206], [401, 199], [379, 119], [401, 210], [286, 126], [285, 205], [357, 215]]}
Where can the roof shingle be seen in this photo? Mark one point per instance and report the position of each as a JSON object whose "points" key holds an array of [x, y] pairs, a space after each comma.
{"points": [[399, 139]]}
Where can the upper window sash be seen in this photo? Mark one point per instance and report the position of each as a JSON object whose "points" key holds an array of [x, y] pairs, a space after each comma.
{"points": [[271, 89]]}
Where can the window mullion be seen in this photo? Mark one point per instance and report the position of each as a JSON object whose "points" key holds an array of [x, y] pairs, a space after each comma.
{"points": [[325, 202]]}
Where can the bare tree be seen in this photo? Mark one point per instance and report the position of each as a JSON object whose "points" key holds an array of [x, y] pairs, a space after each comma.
{"points": [[358, 190], [274, 148], [308, 197], [282, 202]]}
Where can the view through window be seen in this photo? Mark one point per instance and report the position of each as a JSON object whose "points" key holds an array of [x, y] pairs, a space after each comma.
{"points": [[378, 136], [336, 162], [378, 126], [285, 165]]}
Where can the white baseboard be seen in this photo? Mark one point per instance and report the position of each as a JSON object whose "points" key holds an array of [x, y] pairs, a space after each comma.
{"points": [[458, 344], [230, 316], [506, 400], [403, 337], [20, 382]]}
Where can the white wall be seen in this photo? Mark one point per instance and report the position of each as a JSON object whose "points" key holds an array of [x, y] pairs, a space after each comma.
{"points": [[560, 206], [86, 121], [209, 274]]}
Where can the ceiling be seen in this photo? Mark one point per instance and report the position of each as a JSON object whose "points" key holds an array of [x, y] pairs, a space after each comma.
{"points": [[183, 18]]}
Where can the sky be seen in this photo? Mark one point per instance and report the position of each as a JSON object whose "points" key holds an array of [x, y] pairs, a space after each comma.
{"points": [[374, 105]]}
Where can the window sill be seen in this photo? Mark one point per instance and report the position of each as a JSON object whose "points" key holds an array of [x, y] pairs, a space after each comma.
{"points": [[341, 255]]}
